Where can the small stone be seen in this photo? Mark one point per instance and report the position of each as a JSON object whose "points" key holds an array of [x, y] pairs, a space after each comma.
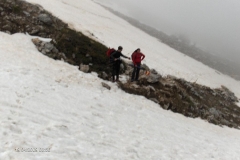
{"points": [[8, 32], [154, 100], [26, 13], [215, 112], [35, 31], [166, 106], [104, 75], [106, 85], [84, 68], [73, 55], [153, 71], [225, 122], [48, 46], [45, 19], [7, 27]]}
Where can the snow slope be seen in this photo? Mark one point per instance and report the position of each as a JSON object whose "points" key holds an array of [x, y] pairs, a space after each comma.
{"points": [[89, 17], [49, 104]]}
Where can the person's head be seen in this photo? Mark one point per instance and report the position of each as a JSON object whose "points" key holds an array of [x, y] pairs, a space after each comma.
{"points": [[120, 48], [137, 50]]}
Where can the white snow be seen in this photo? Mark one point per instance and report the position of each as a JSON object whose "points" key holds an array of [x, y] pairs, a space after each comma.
{"points": [[49, 104]]}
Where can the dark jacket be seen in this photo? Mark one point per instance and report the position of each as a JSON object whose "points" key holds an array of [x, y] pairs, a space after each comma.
{"points": [[117, 55]]}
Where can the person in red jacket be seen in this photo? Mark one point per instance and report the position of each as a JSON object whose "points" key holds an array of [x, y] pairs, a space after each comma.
{"points": [[137, 57]]}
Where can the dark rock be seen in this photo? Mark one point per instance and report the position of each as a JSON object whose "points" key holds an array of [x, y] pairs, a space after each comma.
{"points": [[153, 71], [73, 55], [166, 93], [147, 90], [153, 78], [7, 27], [154, 100], [214, 93], [26, 13], [191, 99], [225, 122], [35, 31], [215, 112], [104, 75], [180, 96], [166, 106], [173, 77], [55, 50], [145, 66], [45, 19], [48, 46], [151, 88], [121, 66], [134, 86], [106, 85], [36, 41], [62, 55]]}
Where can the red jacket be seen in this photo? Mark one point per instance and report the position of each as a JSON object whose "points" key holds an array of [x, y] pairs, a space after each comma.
{"points": [[137, 57]]}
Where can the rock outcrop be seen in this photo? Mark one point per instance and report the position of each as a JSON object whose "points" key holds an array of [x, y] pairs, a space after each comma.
{"points": [[190, 99]]}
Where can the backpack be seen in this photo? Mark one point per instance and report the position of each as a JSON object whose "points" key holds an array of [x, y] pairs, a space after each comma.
{"points": [[110, 51]]}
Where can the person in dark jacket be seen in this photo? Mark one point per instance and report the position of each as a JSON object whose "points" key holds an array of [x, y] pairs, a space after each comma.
{"points": [[137, 57], [115, 56]]}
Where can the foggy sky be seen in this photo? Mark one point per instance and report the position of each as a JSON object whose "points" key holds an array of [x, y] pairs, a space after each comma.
{"points": [[214, 25]]}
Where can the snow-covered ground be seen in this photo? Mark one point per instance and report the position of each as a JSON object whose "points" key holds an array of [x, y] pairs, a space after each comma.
{"points": [[89, 17], [50, 104]]}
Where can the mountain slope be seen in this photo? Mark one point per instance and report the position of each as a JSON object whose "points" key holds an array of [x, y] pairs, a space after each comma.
{"points": [[100, 24]]}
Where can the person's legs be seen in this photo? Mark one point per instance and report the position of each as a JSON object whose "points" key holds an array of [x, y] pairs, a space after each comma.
{"points": [[137, 71], [117, 71], [113, 72], [133, 73]]}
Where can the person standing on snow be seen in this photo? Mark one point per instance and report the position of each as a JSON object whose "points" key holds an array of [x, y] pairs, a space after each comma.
{"points": [[115, 56], [137, 57]]}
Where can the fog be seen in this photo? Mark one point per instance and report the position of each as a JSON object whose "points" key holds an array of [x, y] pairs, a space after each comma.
{"points": [[213, 25]]}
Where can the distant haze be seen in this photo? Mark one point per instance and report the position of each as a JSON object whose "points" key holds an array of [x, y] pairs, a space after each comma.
{"points": [[213, 25]]}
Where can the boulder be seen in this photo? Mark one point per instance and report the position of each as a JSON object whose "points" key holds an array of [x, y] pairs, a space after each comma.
{"points": [[153, 78], [45, 19]]}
